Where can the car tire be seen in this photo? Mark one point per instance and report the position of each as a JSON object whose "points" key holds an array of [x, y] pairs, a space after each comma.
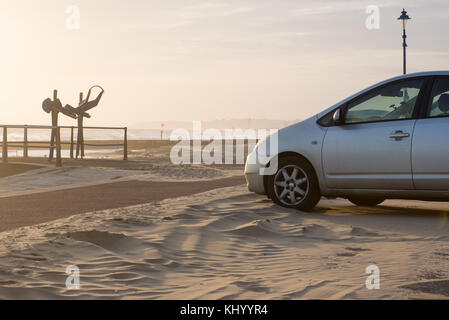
{"points": [[294, 185], [366, 202]]}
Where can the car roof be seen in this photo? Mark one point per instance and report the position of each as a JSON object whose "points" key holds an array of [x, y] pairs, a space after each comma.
{"points": [[405, 76], [423, 74]]}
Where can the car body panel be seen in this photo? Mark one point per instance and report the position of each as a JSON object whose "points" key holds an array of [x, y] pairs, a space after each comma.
{"points": [[304, 138], [430, 155], [351, 157]]}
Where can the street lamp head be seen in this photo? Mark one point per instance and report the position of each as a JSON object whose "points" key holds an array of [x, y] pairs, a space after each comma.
{"points": [[404, 17]]}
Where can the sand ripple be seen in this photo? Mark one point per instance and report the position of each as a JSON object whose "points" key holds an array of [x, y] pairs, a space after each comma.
{"points": [[228, 244]]}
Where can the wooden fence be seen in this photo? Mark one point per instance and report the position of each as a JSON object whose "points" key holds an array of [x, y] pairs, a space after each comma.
{"points": [[26, 144]]}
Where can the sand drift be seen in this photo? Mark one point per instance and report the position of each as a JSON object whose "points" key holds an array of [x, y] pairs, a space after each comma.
{"points": [[229, 244]]}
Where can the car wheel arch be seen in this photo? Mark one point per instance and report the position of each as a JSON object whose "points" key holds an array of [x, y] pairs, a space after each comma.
{"points": [[285, 155]]}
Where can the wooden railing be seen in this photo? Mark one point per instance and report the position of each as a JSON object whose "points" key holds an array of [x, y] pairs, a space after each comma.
{"points": [[26, 144]]}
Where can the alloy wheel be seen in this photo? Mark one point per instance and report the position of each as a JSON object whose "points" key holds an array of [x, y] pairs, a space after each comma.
{"points": [[291, 185]]}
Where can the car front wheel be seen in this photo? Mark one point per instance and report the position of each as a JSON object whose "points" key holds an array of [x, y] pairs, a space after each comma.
{"points": [[294, 185]]}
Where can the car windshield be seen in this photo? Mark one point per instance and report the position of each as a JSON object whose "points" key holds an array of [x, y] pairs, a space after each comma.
{"points": [[389, 103]]}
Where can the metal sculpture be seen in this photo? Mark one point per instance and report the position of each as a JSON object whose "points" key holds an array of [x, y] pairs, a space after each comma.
{"points": [[55, 107], [81, 112]]}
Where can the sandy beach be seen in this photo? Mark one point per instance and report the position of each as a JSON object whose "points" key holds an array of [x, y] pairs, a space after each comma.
{"points": [[229, 244], [145, 229]]}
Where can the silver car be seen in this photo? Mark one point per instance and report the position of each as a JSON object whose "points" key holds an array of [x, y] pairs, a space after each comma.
{"points": [[389, 141]]}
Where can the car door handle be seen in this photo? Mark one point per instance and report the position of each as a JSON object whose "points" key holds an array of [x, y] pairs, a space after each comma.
{"points": [[399, 134]]}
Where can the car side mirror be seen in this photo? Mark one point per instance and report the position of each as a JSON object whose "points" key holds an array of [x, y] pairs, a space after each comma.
{"points": [[337, 117]]}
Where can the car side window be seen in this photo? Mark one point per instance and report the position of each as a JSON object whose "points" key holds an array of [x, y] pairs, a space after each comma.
{"points": [[439, 99], [392, 102]]}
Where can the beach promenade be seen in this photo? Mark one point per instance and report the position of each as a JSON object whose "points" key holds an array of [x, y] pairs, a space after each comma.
{"points": [[35, 207]]}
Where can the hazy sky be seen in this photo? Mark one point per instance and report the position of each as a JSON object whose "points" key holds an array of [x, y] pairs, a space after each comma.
{"points": [[188, 59]]}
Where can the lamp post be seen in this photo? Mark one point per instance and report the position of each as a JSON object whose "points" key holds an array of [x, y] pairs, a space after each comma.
{"points": [[404, 18]]}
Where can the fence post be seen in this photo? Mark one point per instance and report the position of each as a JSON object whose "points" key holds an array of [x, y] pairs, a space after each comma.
{"points": [[25, 142], [5, 144], [58, 148], [71, 144], [125, 145]]}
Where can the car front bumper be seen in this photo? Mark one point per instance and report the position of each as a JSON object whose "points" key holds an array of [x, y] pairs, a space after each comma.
{"points": [[254, 179], [255, 183]]}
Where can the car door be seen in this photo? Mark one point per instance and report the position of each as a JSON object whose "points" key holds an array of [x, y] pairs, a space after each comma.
{"points": [[430, 146], [371, 148]]}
